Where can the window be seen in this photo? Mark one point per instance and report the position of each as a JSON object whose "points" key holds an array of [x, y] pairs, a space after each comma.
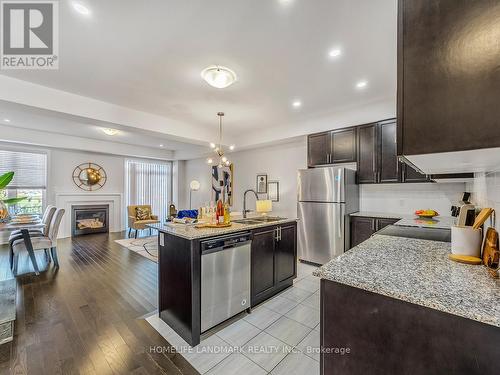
{"points": [[149, 183], [30, 180]]}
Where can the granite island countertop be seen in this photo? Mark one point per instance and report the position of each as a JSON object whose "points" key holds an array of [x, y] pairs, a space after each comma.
{"points": [[419, 272], [190, 232]]}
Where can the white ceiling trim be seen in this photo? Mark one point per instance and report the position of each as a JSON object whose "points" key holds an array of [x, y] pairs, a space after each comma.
{"points": [[31, 137], [27, 93]]}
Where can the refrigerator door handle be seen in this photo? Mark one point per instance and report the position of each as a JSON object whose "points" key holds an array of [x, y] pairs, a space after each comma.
{"points": [[339, 217]]}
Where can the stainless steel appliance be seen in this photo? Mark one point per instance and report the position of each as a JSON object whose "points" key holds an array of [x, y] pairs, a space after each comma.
{"points": [[326, 196], [225, 278]]}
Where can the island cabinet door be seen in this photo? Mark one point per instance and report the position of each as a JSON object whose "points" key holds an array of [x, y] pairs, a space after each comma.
{"points": [[285, 254], [262, 262]]}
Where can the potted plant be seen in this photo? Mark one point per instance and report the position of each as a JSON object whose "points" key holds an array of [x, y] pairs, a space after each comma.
{"points": [[5, 180]]}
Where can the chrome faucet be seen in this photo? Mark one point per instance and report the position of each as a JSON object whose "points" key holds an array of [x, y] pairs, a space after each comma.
{"points": [[245, 201]]}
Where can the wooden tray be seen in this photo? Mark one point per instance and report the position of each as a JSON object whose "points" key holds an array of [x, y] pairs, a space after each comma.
{"points": [[208, 225]]}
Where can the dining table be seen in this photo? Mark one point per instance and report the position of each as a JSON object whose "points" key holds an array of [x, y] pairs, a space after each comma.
{"points": [[25, 228]]}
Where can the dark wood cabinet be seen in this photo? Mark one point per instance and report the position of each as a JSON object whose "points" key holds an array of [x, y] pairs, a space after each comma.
{"points": [[263, 260], [337, 146], [367, 154], [363, 227], [377, 153], [274, 256], [318, 149], [343, 146], [388, 164], [448, 76]]}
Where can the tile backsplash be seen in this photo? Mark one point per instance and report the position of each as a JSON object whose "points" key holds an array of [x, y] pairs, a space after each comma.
{"points": [[485, 192]]}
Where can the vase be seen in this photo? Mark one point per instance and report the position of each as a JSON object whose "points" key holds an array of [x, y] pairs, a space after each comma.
{"points": [[4, 212]]}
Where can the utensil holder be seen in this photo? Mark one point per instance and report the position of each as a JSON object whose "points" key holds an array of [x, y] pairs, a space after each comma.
{"points": [[466, 241]]}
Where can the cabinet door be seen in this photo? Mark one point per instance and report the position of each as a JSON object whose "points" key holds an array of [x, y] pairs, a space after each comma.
{"points": [[343, 146], [318, 149], [411, 175], [388, 158], [361, 229], [367, 154], [263, 261], [382, 223], [285, 254]]}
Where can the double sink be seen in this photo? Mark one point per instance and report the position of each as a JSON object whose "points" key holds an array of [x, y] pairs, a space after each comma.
{"points": [[258, 220]]}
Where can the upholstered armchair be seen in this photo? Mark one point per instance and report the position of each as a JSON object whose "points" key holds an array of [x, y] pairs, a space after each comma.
{"points": [[136, 224]]}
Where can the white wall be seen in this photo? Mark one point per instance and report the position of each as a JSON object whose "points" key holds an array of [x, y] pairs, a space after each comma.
{"points": [[486, 192], [407, 198], [279, 162]]}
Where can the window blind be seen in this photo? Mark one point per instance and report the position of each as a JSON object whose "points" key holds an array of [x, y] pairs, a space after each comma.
{"points": [[30, 169], [149, 183]]}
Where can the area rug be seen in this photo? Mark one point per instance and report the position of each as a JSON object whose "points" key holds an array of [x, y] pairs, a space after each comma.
{"points": [[147, 246]]}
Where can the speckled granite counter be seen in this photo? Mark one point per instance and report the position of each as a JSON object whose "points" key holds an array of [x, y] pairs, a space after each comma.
{"points": [[441, 222], [189, 232], [419, 272], [384, 215]]}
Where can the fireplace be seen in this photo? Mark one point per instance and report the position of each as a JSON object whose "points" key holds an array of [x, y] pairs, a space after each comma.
{"points": [[87, 219]]}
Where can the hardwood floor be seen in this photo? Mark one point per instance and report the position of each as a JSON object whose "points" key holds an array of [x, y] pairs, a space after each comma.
{"points": [[86, 317]]}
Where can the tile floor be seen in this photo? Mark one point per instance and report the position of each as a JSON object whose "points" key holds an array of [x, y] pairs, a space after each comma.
{"points": [[280, 336]]}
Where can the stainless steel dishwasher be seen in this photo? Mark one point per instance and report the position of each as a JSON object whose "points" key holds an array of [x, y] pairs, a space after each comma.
{"points": [[225, 278]]}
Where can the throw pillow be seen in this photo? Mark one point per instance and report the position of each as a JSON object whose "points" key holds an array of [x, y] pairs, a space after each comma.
{"points": [[142, 213]]}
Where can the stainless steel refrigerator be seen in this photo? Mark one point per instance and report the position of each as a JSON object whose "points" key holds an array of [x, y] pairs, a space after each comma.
{"points": [[326, 197]]}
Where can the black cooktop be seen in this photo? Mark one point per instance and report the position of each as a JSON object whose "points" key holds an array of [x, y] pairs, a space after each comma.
{"points": [[433, 234]]}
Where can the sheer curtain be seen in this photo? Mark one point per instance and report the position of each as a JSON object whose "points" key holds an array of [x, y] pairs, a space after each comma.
{"points": [[149, 183]]}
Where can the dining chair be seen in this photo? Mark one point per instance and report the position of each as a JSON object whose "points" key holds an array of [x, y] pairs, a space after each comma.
{"points": [[40, 242], [16, 234]]}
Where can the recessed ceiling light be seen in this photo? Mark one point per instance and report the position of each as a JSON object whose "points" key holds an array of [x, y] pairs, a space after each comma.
{"points": [[297, 104], [80, 8], [109, 131], [161, 145], [361, 84], [335, 52], [6, 120], [219, 76], [231, 147]]}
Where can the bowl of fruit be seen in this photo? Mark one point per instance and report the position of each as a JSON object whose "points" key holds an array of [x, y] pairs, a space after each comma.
{"points": [[428, 214]]}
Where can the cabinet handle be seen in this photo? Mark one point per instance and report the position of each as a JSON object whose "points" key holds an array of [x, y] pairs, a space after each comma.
{"points": [[373, 225]]}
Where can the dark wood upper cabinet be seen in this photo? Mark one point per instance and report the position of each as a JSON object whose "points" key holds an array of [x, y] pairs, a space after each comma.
{"points": [[388, 158], [343, 146], [318, 149], [336, 146], [367, 154], [448, 76]]}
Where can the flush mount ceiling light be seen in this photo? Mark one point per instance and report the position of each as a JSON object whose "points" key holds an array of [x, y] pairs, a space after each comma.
{"points": [[6, 120], [221, 160], [361, 84], [80, 8], [336, 52], [219, 76], [109, 131]]}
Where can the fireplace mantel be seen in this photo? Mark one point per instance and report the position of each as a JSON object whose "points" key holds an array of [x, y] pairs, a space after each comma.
{"points": [[67, 199]]}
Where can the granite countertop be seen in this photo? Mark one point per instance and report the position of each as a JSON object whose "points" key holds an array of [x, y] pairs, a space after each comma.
{"points": [[441, 222], [384, 215], [419, 272], [189, 231]]}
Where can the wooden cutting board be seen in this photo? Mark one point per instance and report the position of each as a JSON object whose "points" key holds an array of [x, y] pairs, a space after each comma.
{"points": [[465, 259], [491, 252], [482, 217]]}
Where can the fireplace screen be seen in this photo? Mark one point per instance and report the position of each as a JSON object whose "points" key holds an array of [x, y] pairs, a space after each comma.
{"points": [[89, 219]]}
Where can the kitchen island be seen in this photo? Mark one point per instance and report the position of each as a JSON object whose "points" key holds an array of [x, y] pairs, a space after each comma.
{"points": [[402, 307], [272, 268]]}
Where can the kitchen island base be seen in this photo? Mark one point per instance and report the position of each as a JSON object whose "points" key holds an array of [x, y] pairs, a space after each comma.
{"points": [[375, 334]]}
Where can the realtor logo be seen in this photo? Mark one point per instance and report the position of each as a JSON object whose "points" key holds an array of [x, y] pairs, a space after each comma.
{"points": [[30, 34]]}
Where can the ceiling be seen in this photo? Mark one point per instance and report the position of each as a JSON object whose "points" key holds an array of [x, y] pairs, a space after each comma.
{"points": [[148, 56]]}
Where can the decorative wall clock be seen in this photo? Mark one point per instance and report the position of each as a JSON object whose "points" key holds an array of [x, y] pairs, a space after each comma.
{"points": [[89, 176]]}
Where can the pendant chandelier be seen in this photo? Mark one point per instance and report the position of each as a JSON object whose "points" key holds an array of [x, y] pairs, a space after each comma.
{"points": [[220, 159]]}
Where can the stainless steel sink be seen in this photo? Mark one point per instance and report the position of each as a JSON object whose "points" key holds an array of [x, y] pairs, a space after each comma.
{"points": [[247, 221]]}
